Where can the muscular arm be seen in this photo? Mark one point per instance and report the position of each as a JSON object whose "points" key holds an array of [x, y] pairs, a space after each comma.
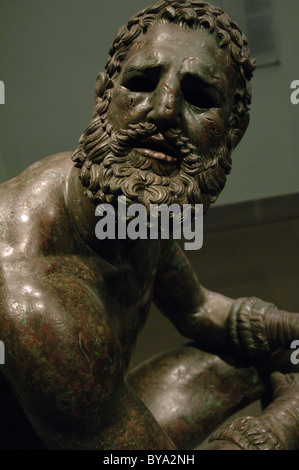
{"points": [[65, 362], [65, 355], [247, 326], [198, 313]]}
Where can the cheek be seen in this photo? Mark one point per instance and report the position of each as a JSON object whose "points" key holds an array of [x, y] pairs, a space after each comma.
{"points": [[126, 107], [210, 131]]}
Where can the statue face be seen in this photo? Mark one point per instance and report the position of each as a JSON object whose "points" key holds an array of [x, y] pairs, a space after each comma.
{"points": [[163, 136], [179, 79]]}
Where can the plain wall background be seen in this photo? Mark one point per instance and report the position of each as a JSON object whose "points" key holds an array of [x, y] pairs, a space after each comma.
{"points": [[51, 52]]}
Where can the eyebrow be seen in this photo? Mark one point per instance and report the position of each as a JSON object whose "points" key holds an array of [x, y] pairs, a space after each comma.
{"points": [[215, 82], [141, 67]]}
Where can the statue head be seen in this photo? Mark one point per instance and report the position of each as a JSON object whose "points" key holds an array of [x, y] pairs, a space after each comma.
{"points": [[170, 108]]}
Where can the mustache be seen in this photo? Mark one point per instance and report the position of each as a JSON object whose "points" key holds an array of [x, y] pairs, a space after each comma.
{"points": [[101, 140], [126, 139], [196, 178]]}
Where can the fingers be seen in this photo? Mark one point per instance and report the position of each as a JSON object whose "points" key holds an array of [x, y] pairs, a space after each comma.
{"points": [[285, 385]]}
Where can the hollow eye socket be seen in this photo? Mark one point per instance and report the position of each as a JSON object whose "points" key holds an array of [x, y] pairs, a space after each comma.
{"points": [[197, 94], [140, 83], [200, 100]]}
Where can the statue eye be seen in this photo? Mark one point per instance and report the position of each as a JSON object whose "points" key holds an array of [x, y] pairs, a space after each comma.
{"points": [[142, 80], [140, 83], [200, 100], [197, 94]]}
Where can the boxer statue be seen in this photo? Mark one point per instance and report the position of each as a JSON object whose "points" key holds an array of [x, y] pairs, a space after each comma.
{"points": [[170, 108]]}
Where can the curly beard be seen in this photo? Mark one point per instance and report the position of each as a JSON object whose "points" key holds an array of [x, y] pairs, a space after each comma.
{"points": [[111, 167]]}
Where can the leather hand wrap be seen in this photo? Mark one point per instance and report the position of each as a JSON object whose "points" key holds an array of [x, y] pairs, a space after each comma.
{"points": [[247, 326], [256, 327], [248, 433]]}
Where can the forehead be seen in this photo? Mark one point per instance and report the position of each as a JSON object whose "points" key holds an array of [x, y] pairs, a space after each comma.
{"points": [[180, 47]]}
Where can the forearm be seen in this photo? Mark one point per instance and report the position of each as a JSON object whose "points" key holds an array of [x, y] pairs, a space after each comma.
{"points": [[248, 326], [207, 325]]}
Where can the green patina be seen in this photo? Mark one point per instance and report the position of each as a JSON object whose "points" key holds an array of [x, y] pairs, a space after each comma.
{"points": [[54, 174], [255, 379]]}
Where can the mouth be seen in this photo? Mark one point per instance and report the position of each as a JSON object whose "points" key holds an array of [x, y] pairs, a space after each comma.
{"points": [[158, 148]]}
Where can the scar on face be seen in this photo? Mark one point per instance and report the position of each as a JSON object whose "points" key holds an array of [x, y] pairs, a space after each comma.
{"points": [[139, 45]]}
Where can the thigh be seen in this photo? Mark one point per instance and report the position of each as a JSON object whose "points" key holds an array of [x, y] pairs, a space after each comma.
{"points": [[191, 392]]}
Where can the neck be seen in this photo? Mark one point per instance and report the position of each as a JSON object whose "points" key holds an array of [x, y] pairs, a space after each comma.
{"points": [[82, 212]]}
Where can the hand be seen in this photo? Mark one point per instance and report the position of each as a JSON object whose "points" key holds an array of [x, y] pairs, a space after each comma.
{"points": [[277, 428]]}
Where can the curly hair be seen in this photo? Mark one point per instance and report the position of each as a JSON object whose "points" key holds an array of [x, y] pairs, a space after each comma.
{"points": [[193, 15]]}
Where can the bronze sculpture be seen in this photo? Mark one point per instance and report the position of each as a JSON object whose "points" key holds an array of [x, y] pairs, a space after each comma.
{"points": [[170, 109]]}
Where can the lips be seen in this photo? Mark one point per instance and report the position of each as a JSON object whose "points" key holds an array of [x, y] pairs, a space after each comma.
{"points": [[157, 148]]}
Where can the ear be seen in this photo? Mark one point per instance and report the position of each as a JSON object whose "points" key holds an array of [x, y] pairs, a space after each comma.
{"points": [[238, 132], [101, 83]]}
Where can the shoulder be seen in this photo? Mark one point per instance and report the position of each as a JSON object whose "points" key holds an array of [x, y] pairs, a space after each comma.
{"points": [[32, 202], [36, 181], [32, 212]]}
